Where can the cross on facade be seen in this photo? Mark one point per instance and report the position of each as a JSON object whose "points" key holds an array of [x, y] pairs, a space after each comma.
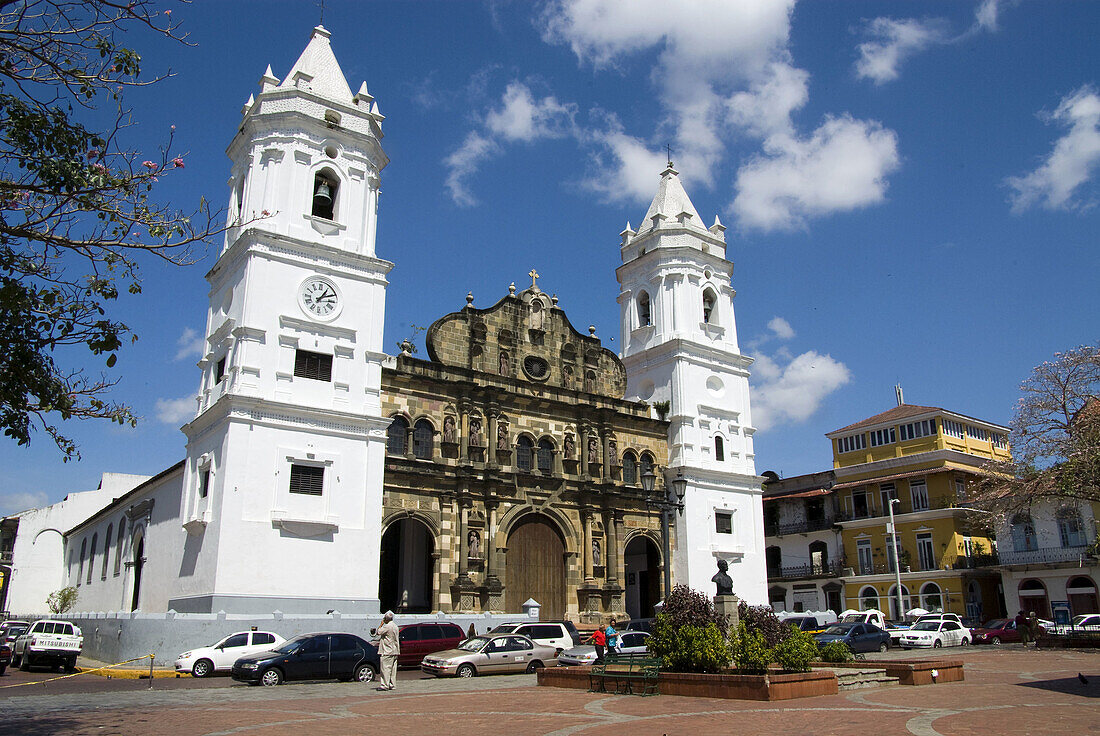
{"points": [[534, 278], [668, 150]]}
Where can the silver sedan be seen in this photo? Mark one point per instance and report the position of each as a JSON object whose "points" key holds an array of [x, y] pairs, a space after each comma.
{"points": [[489, 655], [632, 642]]}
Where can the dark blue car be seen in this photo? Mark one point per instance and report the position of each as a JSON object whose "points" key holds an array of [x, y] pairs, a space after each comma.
{"points": [[311, 657], [858, 637]]}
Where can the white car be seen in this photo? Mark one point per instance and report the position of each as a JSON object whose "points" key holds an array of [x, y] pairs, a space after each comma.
{"points": [[205, 661], [555, 634], [633, 642], [935, 634]]}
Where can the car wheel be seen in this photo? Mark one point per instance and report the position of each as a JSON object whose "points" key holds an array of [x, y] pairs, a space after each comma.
{"points": [[202, 668], [2, 668], [936, 644], [271, 677], [25, 663], [365, 673], [965, 642], [16, 660], [882, 648], [995, 641], [465, 670], [70, 665], [532, 666]]}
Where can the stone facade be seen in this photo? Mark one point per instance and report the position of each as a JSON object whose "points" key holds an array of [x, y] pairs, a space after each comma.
{"points": [[517, 415]]}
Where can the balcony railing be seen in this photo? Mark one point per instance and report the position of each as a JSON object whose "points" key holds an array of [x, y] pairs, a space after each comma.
{"points": [[1043, 554], [797, 527], [973, 562], [795, 572], [5, 557]]}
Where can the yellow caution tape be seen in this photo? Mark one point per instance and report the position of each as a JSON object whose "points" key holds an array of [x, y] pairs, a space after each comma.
{"points": [[75, 674]]}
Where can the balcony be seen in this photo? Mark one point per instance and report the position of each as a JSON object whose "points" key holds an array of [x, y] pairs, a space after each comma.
{"points": [[977, 561], [5, 557], [796, 572], [797, 527], [1048, 555]]}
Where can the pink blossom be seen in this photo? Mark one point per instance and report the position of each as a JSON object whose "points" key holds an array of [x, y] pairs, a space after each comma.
{"points": [[177, 162], [265, 213], [92, 153], [149, 164], [100, 168]]}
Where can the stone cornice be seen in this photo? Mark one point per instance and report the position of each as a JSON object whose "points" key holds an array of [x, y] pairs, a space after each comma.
{"points": [[258, 241]]}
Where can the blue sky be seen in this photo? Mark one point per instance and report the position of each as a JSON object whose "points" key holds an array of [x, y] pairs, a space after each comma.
{"points": [[910, 188]]}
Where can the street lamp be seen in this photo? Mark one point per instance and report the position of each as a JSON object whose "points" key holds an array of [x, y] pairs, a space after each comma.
{"points": [[675, 489], [897, 561]]}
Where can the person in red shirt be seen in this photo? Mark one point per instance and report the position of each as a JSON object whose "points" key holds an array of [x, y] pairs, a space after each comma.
{"points": [[599, 640]]}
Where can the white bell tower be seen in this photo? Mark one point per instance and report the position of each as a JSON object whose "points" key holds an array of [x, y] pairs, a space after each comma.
{"points": [[679, 343], [282, 497]]}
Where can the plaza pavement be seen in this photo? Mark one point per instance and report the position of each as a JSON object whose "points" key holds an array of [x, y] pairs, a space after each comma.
{"points": [[1007, 691]]}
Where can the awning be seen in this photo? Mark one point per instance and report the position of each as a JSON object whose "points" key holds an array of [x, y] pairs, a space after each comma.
{"points": [[896, 476], [800, 494]]}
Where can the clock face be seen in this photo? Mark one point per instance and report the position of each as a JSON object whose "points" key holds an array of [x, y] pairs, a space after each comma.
{"points": [[319, 298]]}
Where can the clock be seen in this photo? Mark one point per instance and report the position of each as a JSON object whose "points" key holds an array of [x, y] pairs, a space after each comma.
{"points": [[319, 298]]}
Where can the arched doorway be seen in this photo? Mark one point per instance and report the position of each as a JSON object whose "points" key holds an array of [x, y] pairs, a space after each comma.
{"points": [[642, 566], [535, 567], [906, 602], [406, 567], [139, 565], [1033, 598], [1081, 592]]}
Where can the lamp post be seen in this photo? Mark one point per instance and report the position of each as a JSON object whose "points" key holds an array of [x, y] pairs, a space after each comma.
{"points": [[675, 489], [897, 561]]}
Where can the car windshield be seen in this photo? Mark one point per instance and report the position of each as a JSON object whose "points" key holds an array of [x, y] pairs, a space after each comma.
{"points": [[926, 626], [1078, 620], [473, 645], [289, 647], [839, 629], [505, 629], [997, 623]]}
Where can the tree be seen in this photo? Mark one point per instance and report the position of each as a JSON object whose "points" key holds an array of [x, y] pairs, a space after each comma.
{"points": [[61, 601], [76, 213], [1055, 438]]}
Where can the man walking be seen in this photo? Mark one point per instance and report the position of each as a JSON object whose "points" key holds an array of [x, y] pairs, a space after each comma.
{"points": [[389, 646], [612, 638], [1022, 628]]}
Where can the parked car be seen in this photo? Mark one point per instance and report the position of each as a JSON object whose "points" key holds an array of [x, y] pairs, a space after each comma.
{"points": [[418, 640], [490, 654], [859, 637], [936, 633], [633, 642], [220, 656], [939, 617], [809, 624], [5, 656], [48, 642], [1082, 622], [322, 656], [640, 624], [870, 616], [12, 630], [561, 635], [895, 629], [998, 631]]}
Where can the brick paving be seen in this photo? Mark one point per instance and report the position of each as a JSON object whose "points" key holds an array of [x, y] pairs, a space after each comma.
{"points": [[1007, 691]]}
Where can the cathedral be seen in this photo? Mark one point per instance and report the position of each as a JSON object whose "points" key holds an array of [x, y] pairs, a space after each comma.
{"points": [[519, 462]]}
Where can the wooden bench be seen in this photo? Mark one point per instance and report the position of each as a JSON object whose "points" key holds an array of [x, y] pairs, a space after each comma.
{"points": [[625, 670]]}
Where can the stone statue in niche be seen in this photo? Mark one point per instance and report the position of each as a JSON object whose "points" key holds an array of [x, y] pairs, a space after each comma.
{"points": [[612, 448], [503, 363], [570, 447], [590, 382], [536, 315], [502, 436], [722, 579], [449, 433], [597, 558], [475, 432], [473, 545], [593, 449]]}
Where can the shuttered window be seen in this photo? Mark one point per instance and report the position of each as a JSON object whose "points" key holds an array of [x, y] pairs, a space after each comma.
{"points": [[316, 366], [307, 479]]}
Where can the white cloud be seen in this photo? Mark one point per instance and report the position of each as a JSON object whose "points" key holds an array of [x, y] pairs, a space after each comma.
{"points": [[781, 328], [522, 118], [985, 17], [624, 166], [842, 166], [189, 344], [895, 41], [175, 411], [791, 393], [1072, 161], [464, 163], [13, 503]]}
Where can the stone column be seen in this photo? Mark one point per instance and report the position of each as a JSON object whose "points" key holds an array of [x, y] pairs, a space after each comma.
{"points": [[586, 522], [611, 523], [492, 415], [494, 589], [463, 563], [463, 431], [437, 587]]}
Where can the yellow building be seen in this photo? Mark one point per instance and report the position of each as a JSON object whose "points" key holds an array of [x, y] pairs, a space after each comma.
{"points": [[925, 457]]}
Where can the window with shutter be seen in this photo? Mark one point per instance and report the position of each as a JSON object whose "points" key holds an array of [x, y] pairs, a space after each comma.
{"points": [[316, 366], [307, 479]]}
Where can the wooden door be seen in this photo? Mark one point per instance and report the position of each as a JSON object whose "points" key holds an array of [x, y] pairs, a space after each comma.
{"points": [[535, 568]]}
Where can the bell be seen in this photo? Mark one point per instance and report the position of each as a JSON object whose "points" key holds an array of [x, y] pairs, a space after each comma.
{"points": [[323, 195]]}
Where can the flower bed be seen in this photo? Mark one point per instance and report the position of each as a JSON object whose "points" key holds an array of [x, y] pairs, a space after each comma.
{"points": [[776, 685]]}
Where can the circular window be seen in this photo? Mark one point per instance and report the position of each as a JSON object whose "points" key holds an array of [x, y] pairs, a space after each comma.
{"points": [[715, 385], [536, 367], [645, 391]]}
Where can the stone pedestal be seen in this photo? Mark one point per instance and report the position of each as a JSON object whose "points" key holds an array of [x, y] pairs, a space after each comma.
{"points": [[727, 605], [591, 598]]}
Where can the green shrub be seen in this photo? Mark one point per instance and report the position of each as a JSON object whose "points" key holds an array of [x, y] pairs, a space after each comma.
{"points": [[764, 620], [836, 652], [689, 635], [751, 651], [796, 652]]}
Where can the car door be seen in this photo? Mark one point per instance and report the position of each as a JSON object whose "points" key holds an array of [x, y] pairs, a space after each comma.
{"points": [[520, 651], [412, 644], [433, 639], [633, 642], [310, 662], [496, 655], [260, 641], [344, 654], [230, 650], [953, 633]]}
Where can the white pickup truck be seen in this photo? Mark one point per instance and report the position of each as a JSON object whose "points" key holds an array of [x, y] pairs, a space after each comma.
{"points": [[47, 642], [870, 616]]}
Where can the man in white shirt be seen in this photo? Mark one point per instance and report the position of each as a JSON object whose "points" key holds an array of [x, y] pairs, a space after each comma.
{"points": [[389, 647]]}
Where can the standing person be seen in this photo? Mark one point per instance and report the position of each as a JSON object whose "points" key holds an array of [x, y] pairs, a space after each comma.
{"points": [[599, 640], [471, 632], [612, 637], [1033, 628], [1022, 628], [389, 647]]}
